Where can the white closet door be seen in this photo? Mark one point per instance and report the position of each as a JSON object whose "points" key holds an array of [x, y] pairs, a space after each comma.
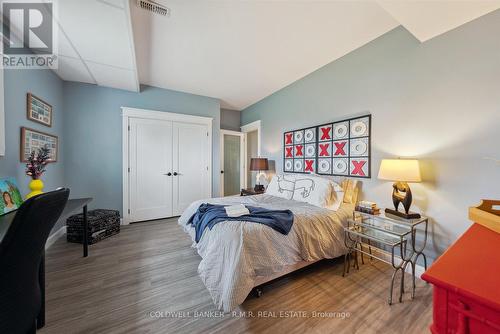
{"points": [[192, 182], [150, 162]]}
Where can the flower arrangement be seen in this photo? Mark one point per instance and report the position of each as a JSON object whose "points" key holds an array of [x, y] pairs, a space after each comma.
{"points": [[37, 162]]}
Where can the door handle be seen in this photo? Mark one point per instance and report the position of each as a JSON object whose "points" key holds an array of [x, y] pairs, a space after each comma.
{"points": [[222, 172], [175, 174], [168, 174]]}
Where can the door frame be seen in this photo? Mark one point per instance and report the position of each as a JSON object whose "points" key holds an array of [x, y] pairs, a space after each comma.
{"points": [[2, 115], [243, 168], [127, 114], [250, 127]]}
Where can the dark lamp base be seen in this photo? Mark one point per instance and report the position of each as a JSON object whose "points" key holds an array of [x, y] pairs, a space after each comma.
{"points": [[409, 215], [258, 187]]}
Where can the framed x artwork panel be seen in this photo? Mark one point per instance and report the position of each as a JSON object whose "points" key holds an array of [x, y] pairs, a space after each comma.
{"points": [[338, 148]]}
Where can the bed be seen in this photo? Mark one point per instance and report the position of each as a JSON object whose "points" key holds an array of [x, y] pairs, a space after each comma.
{"points": [[238, 256]]}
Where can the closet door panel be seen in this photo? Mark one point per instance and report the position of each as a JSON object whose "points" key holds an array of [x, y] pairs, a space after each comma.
{"points": [[190, 159], [150, 162]]}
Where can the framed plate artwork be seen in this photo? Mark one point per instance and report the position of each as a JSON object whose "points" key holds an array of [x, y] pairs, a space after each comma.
{"points": [[38, 110], [338, 148], [33, 140]]}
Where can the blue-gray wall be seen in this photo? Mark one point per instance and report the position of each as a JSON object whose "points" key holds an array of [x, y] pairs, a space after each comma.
{"points": [[87, 119], [438, 101], [230, 119], [46, 85], [93, 135]]}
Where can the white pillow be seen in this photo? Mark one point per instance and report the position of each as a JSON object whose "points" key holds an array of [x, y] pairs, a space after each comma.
{"points": [[337, 194], [313, 190], [336, 186], [281, 186], [336, 200]]}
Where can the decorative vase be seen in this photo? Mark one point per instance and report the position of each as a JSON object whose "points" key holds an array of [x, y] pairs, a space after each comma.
{"points": [[36, 187]]}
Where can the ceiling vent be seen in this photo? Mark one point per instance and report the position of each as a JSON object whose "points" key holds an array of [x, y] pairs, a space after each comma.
{"points": [[153, 7]]}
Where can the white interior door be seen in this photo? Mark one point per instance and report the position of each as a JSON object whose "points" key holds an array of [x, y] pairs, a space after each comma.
{"points": [[150, 143], [191, 178]]}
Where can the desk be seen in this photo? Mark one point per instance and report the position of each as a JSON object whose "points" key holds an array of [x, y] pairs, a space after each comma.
{"points": [[72, 206]]}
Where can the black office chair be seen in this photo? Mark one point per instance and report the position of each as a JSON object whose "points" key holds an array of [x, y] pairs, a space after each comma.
{"points": [[21, 251]]}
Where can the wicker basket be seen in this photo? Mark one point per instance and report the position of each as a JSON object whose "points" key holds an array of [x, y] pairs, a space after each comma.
{"points": [[102, 224], [487, 214]]}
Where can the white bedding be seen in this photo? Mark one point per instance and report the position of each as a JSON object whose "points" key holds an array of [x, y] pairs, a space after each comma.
{"points": [[234, 252]]}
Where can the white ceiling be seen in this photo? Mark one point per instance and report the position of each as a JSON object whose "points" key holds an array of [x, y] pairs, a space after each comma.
{"points": [[237, 51], [96, 44], [428, 19], [243, 51]]}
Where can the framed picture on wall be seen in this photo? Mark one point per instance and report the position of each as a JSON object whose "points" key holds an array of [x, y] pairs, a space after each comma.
{"points": [[39, 110], [339, 148], [33, 140], [10, 198]]}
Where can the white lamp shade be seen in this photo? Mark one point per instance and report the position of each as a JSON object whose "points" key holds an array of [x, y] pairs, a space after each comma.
{"points": [[399, 170]]}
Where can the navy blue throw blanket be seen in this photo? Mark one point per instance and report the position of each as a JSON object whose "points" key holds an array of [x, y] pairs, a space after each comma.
{"points": [[208, 215]]}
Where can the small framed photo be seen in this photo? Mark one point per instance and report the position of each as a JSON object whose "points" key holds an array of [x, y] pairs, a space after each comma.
{"points": [[38, 110], [33, 140], [10, 198]]}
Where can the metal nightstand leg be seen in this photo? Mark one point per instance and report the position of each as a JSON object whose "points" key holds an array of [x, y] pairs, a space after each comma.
{"points": [[351, 250], [391, 288]]}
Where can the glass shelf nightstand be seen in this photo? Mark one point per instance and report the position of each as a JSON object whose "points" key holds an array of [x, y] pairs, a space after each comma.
{"points": [[365, 232]]}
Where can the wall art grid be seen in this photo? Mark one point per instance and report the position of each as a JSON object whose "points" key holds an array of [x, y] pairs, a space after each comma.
{"points": [[340, 148]]}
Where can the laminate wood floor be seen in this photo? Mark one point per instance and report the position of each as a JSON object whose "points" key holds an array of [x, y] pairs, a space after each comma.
{"points": [[130, 282]]}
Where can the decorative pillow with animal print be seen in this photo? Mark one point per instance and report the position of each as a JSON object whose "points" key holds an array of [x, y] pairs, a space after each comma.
{"points": [[313, 190], [281, 186]]}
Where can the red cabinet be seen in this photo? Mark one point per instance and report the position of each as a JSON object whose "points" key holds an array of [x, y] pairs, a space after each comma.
{"points": [[466, 281]]}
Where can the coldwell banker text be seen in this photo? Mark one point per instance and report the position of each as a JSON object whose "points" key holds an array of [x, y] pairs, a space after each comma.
{"points": [[29, 37]]}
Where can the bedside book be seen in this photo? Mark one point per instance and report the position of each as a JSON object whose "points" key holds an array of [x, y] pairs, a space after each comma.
{"points": [[367, 207], [375, 211]]}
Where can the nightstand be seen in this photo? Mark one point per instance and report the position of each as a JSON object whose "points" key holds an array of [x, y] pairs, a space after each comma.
{"points": [[250, 192], [381, 232]]}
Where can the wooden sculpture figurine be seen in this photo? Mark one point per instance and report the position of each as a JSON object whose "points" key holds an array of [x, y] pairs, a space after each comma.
{"points": [[401, 193]]}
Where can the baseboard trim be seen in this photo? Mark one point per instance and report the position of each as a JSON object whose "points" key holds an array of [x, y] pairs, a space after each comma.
{"points": [[59, 233], [419, 270]]}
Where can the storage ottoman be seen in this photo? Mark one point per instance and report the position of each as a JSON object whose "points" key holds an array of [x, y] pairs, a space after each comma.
{"points": [[102, 224]]}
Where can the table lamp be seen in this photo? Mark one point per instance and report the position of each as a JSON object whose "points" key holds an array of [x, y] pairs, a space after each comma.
{"points": [[401, 171], [259, 164]]}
